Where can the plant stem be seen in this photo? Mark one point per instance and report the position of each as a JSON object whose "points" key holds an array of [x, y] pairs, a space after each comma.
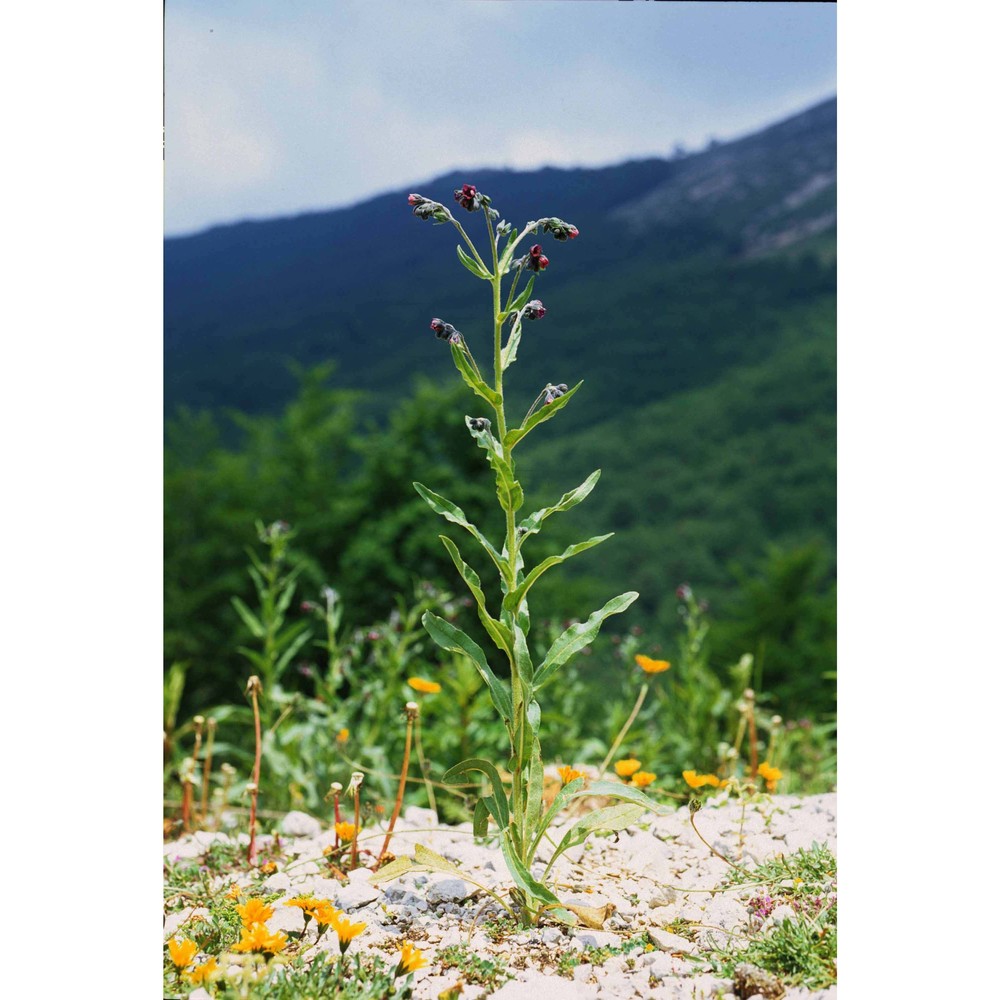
{"points": [[428, 784], [624, 730], [402, 787], [357, 825], [207, 770], [253, 687]]}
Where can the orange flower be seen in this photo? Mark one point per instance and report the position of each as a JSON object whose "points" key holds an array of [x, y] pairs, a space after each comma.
{"points": [[259, 938], [182, 951], [325, 914], [696, 780], [568, 774], [651, 666], [427, 687], [343, 735], [203, 973], [642, 778], [626, 768], [254, 911], [234, 892], [770, 774], [346, 931], [346, 831], [410, 959]]}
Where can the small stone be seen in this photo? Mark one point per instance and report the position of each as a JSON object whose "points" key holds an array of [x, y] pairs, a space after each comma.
{"points": [[551, 935], [583, 972], [300, 824], [668, 942], [355, 894], [597, 939], [422, 818], [446, 889], [359, 875], [278, 882], [750, 981]]}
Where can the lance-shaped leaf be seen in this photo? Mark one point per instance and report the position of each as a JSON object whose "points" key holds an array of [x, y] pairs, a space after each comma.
{"points": [[562, 798], [508, 488], [471, 379], [473, 265], [543, 413], [480, 819], [514, 598], [531, 524], [532, 888], [577, 636], [522, 299], [618, 790], [509, 353], [522, 660], [495, 803], [394, 869], [456, 641], [498, 632], [535, 783], [249, 618], [610, 819], [455, 514]]}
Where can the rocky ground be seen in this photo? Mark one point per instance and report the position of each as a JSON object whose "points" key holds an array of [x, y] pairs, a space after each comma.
{"points": [[658, 878]]}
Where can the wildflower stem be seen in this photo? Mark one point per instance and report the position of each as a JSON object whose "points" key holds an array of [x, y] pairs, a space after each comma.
{"points": [[710, 847], [644, 690], [399, 791], [253, 686], [428, 784], [472, 246], [206, 773], [357, 825]]}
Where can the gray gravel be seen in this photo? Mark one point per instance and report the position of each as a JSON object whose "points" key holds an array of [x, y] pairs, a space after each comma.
{"points": [[653, 875]]}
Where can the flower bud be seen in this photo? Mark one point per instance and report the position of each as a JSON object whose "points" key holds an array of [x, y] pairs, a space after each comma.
{"points": [[470, 199], [553, 392], [424, 208], [683, 592], [479, 424], [560, 230], [534, 309], [536, 260], [445, 331]]}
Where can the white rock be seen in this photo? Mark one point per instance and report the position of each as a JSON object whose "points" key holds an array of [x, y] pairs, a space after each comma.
{"points": [[356, 894], [278, 882], [173, 921], [534, 985], [300, 824], [422, 818], [583, 972], [597, 939], [666, 941], [359, 875]]}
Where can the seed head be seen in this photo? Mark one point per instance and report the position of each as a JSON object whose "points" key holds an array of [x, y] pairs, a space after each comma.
{"points": [[412, 711], [254, 686]]}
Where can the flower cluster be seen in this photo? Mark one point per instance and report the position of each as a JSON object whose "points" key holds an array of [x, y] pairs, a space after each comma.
{"points": [[536, 260], [470, 199], [534, 309], [771, 775], [256, 936], [553, 392], [629, 768], [562, 231], [425, 208], [445, 331]]}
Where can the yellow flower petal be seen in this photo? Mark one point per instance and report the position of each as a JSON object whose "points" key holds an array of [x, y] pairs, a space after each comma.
{"points": [[427, 687], [346, 831], [568, 774], [651, 666], [182, 951], [642, 778], [411, 959], [626, 768]]}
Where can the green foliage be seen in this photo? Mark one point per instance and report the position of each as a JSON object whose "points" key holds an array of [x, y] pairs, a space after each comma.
{"points": [[590, 955], [475, 969]]}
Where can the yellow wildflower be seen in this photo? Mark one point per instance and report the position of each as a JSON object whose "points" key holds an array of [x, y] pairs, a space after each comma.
{"points": [[234, 892], [427, 687], [642, 778], [346, 931], [182, 951], [626, 768], [203, 973], [651, 666], [259, 938], [696, 780], [343, 736], [268, 868], [309, 906], [346, 831], [410, 959], [770, 774], [568, 774], [254, 911], [325, 914]]}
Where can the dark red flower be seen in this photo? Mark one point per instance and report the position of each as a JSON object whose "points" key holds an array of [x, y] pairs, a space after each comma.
{"points": [[537, 261], [534, 309]]}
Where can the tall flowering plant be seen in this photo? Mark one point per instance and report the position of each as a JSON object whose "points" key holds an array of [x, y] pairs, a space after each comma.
{"points": [[517, 810]]}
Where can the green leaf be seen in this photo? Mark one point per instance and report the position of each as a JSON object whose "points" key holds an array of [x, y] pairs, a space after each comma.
{"points": [[456, 515], [543, 413], [394, 869], [472, 265], [533, 522], [249, 618], [533, 889], [509, 353], [429, 859], [456, 641], [471, 379], [514, 598], [495, 803], [562, 797], [610, 819], [480, 819], [498, 632], [577, 636], [297, 643], [509, 490], [619, 790], [535, 783], [522, 300], [522, 659]]}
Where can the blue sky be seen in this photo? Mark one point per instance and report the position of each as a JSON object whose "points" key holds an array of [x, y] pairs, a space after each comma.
{"points": [[274, 108]]}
